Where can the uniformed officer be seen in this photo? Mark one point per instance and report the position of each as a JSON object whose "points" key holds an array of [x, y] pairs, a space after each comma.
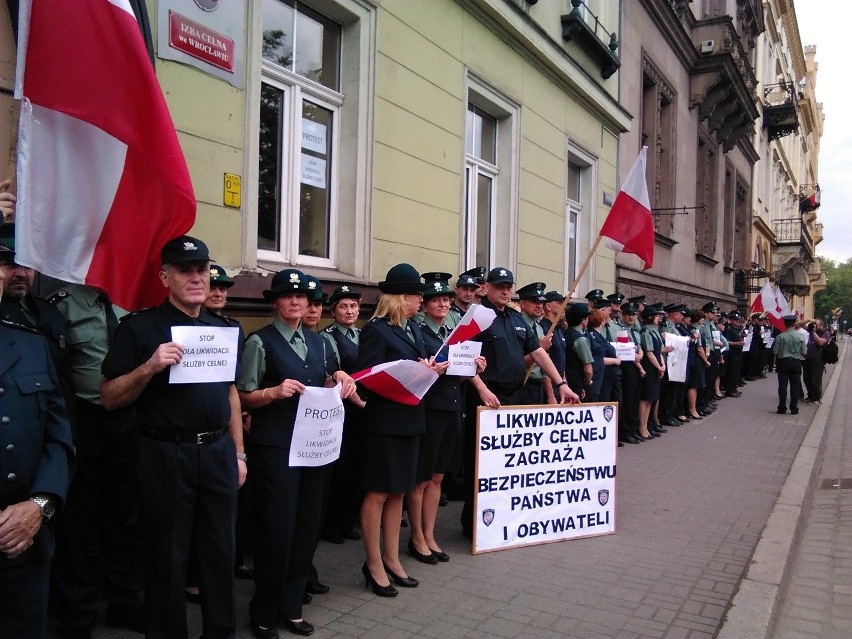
{"points": [[35, 465], [21, 306], [467, 286], [531, 302], [579, 370], [674, 393], [734, 335], [341, 337], [504, 345], [707, 396], [98, 544], [191, 456], [639, 301], [615, 300], [553, 314], [790, 350], [631, 378], [605, 364]]}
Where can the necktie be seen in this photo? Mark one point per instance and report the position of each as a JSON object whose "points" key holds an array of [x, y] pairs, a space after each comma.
{"points": [[442, 332], [350, 334], [298, 345], [109, 313]]}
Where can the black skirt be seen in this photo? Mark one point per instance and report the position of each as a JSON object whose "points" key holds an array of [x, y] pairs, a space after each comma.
{"points": [[438, 445], [650, 384], [388, 462]]}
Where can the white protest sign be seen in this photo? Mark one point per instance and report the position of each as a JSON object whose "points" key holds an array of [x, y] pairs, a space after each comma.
{"points": [[544, 473], [318, 429], [209, 354], [462, 358], [747, 342], [677, 359], [625, 351]]}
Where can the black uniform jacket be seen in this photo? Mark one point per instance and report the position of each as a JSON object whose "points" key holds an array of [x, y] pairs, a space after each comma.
{"points": [[36, 453], [380, 342], [445, 393]]}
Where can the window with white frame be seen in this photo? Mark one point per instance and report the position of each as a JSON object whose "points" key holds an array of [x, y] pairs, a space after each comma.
{"points": [[491, 177], [580, 186]]}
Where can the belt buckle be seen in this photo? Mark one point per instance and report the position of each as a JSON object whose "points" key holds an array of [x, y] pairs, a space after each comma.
{"points": [[198, 438]]}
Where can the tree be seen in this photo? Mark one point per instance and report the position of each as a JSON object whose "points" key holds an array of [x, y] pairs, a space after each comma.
{"points": [[838, 290]]}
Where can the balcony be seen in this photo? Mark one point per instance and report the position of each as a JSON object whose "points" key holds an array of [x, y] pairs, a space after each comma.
{"points": [[809, 195], [583, 27], [794, 233], [779, 110]]}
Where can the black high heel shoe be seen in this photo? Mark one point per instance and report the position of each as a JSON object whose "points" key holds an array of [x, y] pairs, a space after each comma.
{"points": [[430, 559], [381, 591], [405, 582]]}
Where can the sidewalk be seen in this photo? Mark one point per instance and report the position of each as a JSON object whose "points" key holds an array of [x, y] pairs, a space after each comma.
{"points": [[691, 508], [818, 598]]}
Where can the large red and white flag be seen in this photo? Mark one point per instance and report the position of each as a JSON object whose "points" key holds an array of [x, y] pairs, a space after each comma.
{"points": [[475, 320], [404, 380], [629, 226], [102, 181], [767, 302]]}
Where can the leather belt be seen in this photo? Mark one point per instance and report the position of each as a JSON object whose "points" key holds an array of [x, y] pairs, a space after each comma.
{"points": [[207, 437]]}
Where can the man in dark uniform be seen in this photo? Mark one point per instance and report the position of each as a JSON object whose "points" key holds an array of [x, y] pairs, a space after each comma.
{"points": [[36, 464], [790, 350], [531, 302], [504, 345], [578, 353], [191, 456], [553, 315], [467, 286], [734, 335], [97, 539]]}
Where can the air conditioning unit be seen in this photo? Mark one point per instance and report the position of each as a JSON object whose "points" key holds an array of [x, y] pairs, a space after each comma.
{"points": [[707, 47]]}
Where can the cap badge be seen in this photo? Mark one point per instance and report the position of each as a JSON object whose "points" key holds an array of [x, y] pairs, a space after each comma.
{"points": [[214, 272], [437, 286], [189, 246], [294, 278], [312, 284], [344, 289], [503, 271]]}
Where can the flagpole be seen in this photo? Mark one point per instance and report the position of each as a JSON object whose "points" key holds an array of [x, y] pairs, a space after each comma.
{"points": [[568, 295]]}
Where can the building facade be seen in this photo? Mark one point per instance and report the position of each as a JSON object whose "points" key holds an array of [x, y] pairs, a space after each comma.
{"points": [[688, 78], [787, 194]]}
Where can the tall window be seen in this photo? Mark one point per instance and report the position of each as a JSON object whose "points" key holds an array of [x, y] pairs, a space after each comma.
{"points": [[481, 172], [706, 195], [298, 141], [573, 210], [658, 134], [491, 177], [580, 198]]}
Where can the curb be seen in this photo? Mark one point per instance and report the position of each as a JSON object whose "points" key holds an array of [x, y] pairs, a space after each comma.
{"points": [[753, 609]]}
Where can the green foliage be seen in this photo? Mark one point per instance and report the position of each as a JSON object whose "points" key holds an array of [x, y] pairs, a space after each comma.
{"points": [[838, 290]]}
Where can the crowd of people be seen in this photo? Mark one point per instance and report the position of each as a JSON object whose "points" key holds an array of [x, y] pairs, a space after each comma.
{"points": [[155, 514]]}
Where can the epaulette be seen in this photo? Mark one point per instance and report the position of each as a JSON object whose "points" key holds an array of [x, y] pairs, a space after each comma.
{"points": [[135, 313], [20, 327], [328, 329], [58, 296]]}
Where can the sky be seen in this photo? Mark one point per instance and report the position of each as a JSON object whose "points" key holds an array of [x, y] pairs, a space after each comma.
{"points": [[825, 23]]}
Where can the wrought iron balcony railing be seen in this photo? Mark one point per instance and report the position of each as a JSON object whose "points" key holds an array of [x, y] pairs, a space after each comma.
{"points": [[779, 110], [793, 231], [584, 27]]}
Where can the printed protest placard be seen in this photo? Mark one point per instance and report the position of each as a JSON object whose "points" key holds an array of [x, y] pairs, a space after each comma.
{"points": [[544, 473], [209, 354], [462, 358], [677, 359], [318, 429], [625, 351]]}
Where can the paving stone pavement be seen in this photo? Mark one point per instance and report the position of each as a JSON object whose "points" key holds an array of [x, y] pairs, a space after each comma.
{"points": [[691, 508], [818, 597]]}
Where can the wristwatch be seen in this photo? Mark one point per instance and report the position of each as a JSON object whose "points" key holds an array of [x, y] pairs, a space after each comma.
{"points": [[562, 383], [242, 457], [46, 506]]}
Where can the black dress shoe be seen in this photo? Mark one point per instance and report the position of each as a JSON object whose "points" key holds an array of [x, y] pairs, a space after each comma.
{"points": [[440, 555], [299, 627], [332, 536], [794, 411], [782, 411], [262, 632], [405, 582], [381, 591], [314, 587], [352, 535], [635, 439], [443, 501], [307, 598], [621, 444], [426, 559], [668, 422]]}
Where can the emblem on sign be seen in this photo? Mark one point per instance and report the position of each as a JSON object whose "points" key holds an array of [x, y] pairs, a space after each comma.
{"points": [[488, 516], [603, 496], [608, 412]]}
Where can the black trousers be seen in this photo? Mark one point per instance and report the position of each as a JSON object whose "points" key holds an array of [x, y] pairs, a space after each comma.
{"points": [[732, 370], [813, 373], [24, 584], [288, 510], [628, 414], [343, 496], [188, 490], [789, 373], [98, 546], [532, 393]]}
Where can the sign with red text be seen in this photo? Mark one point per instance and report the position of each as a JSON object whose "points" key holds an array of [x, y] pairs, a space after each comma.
{"points": [[200, 42], [544, 474]]}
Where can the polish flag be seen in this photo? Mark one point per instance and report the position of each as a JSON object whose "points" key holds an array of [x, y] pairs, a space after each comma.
{"points": [[767, 302], [404, 381], [629, 226], [475, 320], [102, 181]]}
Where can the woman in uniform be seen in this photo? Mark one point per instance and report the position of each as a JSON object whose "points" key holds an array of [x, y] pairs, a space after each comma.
{"points": [[278, 362], [443, 414], [391, 430], [654, 365]]}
